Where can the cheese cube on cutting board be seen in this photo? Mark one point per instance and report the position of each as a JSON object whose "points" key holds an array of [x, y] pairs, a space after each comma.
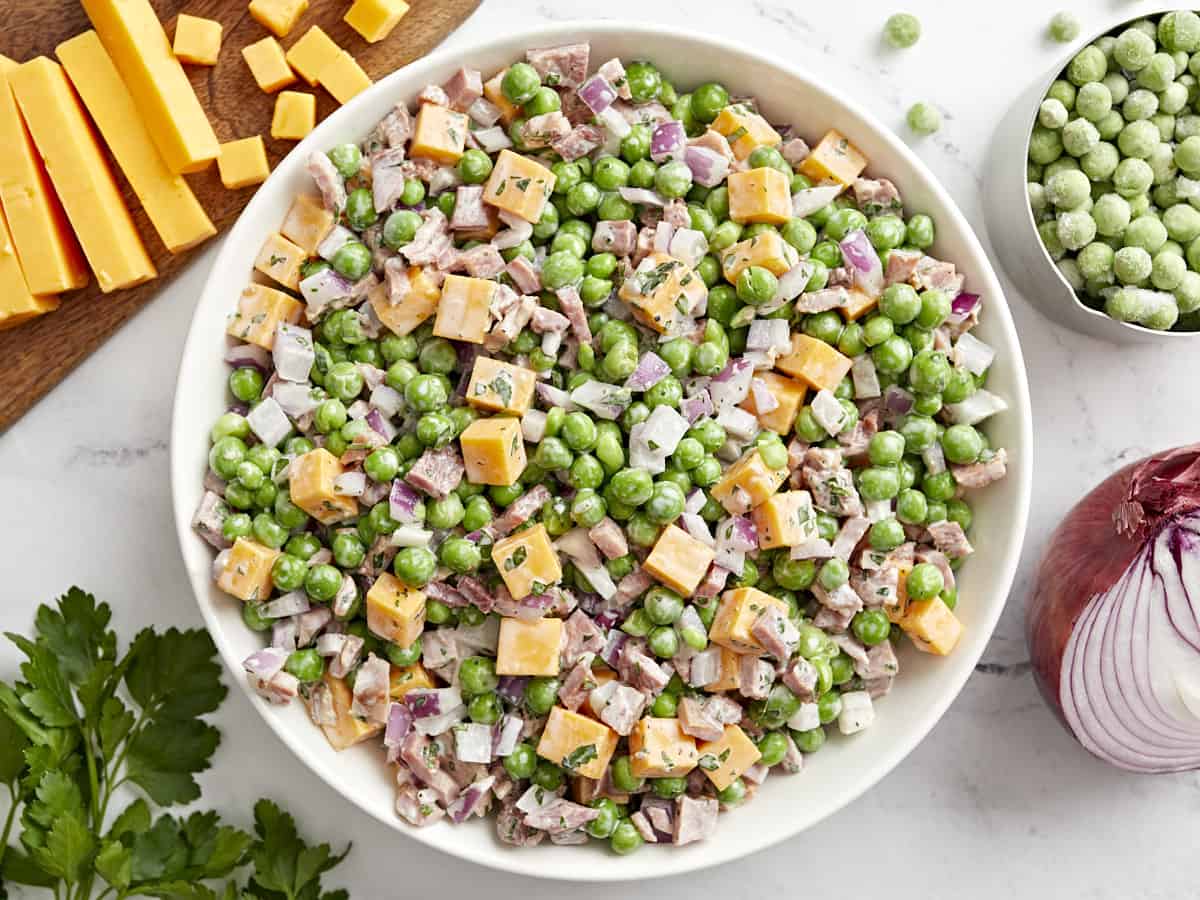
{"points": [[348, 730], [581, 745], [529, 647], [678, 560], [500, 387], [375, 19], [730, 678], [243, 162], [421, 303], [789, 397], [401, 680], [440, 134], [932, 626], [247, 570], [527, 561], [834, 159], [785, 520], [493, 451], [768, 250], [280, 259], [462, 313], [747, 483], [311, 487], [517, 184], [197, 40], [294, 117], [745, 130], [307, 223], [311, 53], [268, 65], [815, 362], [395, 612], [278, 16], [728, 757], [493, 91], [259, 311], [659, 748], [738, 611], [658, 289], [760, 195], [343, 77]]}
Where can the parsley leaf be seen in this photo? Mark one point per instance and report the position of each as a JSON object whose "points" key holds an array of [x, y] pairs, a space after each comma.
{"points": [[175, 675], [12, 749], [164, 756], [283, 862], [77, 633]]}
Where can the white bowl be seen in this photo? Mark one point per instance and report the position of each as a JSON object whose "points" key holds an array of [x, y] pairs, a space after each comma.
{"points": [[845, 767]]}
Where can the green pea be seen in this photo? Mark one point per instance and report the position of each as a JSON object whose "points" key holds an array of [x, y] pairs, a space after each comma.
{"points": [[348, 550], [871, 626], [541, 694], [360, 209], [522, 762], [587, 508], [662, 605], [322, 582], [253, 617], [645, 81], [635, 146], [346, 158], [610, 452], [306, 665], [605, 824], [886, 534], [794, 574], [673, 179], [708, 100], [438, 613], [710, 358], [665, 504], [414, 566], [520, 83], [445, 513], [641, 531], [625, 838], [504, 494], [404, 656], [477, 675]]}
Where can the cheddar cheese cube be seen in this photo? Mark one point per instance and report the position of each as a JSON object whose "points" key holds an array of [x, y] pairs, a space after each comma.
{"points": [[858, 304], [243, 163], [259, 311], [529, 648], [834, 159], [197, 40], [401, 680], [789, 397], [815, 362], [527, 561], [294, 117], [440, 134], [280, 259], [768, 250], [661, 290], [785, 520], [421, 303], [375, 19], [659, 748], [268, 65], [494, 93], [580, 745], [760, 195], [932, 626], [517, 184], [462, 313], [738, 611], [348, 729], [247, 570], [747, 483], [278, 16], [343, 77], [730, 678], [500, 387], [395, 612], [898, 610], [306, 223], [311, 487], [678, 560], [728, 757], [745, 130], [16, 302], [493, 451], [312, 53]]}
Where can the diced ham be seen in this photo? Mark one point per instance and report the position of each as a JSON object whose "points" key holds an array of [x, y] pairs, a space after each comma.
{"points": [[776, 633], [512, 830], [852, 531], [934, 273], [695, 719], [840, 277], [714, 581], [469, 211], [833, 490], [876, 195], [949, 537], [281, 688], [615, 237], [572, 307], [795, 151], [526, 278], [510, 324], [633, 586], [623, 709], [347, 658], [578, 684], [483, 261], [208, 519], [521, 510], [676, 214], [420, 754], [577, 112], [581, 637], [371, 690], [387, 178], [844, 599], [642, 823], [430, 240], [981, 474], [715, 141], [832, 620], [434, 94], [476, 593], [396, 127], [560, 815], [793, 760], [640, 671], [650, 114], [613, 72], [544, 130], [900, 266], [328, 181], [609, 538], [822, 300], [437, 472], [561, 67], [464, 88], [418, 806], [801, 678], [879, 662], [695, 819], [756, 677], [548, 321]]}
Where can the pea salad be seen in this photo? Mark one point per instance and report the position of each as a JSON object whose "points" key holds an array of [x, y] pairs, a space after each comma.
{"points": [[1114, 173], [594, 448]]}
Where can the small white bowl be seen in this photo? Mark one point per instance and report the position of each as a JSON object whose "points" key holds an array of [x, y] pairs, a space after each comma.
{"points": [[1011, 226], [845, 767]]}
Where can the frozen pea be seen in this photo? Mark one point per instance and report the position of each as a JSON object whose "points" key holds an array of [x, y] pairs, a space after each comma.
{"points": [[1158, 72], [1146, 27], [1118, 86], [1187, 292], [1171, 246], [1076, 229], [1079, 136], [1133, 177], [1088, 65], [1161, 315], [1139, 205], [1037, 197], [1100, 162], [1162, 163], [1140, 104], [1165, 195], [1062, 164], [1173, 99], [1124, 305], [1146, 232], [1063, 28], [1181, 62], [1052, 114], [1093, 101], [1095, 261], [1167, 271], [1165, 124], [1033, 172], [1182, 222], [1131, 265], [1186, 127], [1070, 271], [1187, 155], [1068, 190], [1110, 125], [1134, 49], [1099, 189], [902, 30], [1180, 31], [923, 118], [1138, 139], [1064, 92], [1107, 44], [1048, 231]]}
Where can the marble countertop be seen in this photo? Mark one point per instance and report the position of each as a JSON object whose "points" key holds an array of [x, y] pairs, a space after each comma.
{"points": [[997, 802]]}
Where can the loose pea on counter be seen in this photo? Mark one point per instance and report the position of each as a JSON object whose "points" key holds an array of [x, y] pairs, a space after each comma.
{"points": [[593, 479]]}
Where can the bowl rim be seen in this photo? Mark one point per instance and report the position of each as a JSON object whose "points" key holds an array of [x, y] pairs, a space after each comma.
{"points": [[923, 719], [1046, 81]]}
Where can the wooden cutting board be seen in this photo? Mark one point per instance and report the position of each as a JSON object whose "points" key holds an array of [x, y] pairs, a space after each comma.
{"points": [[39, 354]]}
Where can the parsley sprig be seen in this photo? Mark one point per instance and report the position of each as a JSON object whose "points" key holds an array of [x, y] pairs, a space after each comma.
{"points": [[82, 723]]}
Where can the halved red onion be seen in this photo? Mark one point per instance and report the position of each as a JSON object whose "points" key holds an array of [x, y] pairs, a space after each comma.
{"points": [[809, 200], [867, 268], [650, 371], [597, 94], [667, 141], [240, 355], [709, 168], [1113, 624], [644, 196]]}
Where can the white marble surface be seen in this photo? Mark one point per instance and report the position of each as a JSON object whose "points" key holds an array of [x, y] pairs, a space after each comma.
{"points": [[996, 802]]}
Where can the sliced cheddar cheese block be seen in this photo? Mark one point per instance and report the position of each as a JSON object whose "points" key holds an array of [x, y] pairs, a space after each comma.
{"points": [[815, 362], [47, 250], [659, 748], [580, 745], [728, 757], [311, 487], [16, 302], [347, 729], [678, 560], [171, 206], [527, 562], [395, 611], [760, 195], [134, 38], [81, 175], [747, 483], [462, 313], [247, 570], [344, 78]]}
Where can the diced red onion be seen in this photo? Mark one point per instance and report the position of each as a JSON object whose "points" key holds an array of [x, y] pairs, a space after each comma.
{"points": [[865, 378], [337, 238], [444, 178], [793, 282], [979, 406], [868, 270], [764, 400], [493, 139], [473, 742], [689, 245], [358, 410], [878, 510], [484, 112], [507, 735], [402, 502], [470, 801], [604, 400], [644, 196], [709, 168], [667, 141], [533, 426], [428, 702], [934, 458], [380, 425], [512, 688], [809, 200], [731, 385], [387, 400], [897, 401], [650, 371], [663, 232], [614, 123], [664, 429], [738, 423], [350, 484], [293, 352], [706, 667], [517, 232], [535, 798], [962, 305], [972, 354], [577, 545], [296, 400], [697, 528], [372, 376], [697, 406], [613, 645], [813, 548], [597, 94], [268, 422], [553, 396], [241, 355], [331, 643], [695, 501], [411, 535], [283, 634], [289, 604], [322, 288], [265, 663], [399, 724]]}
